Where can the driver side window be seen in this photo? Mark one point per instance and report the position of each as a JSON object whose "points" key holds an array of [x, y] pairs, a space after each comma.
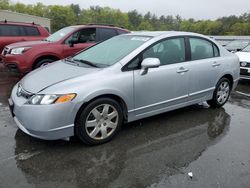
{"points": [[168, 51], [83, 36]]}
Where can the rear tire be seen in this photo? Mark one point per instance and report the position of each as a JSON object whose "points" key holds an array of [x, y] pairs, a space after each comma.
{"points": [[99, 121], [43, 62], [221, 93]]}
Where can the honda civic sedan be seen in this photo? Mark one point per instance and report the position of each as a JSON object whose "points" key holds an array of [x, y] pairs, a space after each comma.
{"points": [[123, 79]]}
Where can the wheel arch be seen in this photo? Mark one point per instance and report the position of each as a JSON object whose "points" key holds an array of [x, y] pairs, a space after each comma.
{"points": [[49, 56], [230, 78], [115, 97]]}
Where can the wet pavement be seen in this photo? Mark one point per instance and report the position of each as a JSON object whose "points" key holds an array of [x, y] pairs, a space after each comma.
{"points": [[213, 144]]}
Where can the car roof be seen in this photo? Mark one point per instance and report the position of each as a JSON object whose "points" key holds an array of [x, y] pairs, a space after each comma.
{"points": [[163, 33], [97, 25], [18, 23]]}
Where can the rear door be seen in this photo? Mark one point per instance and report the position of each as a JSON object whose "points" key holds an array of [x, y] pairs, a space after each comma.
{"points": [[85, 37], [204, 67]]}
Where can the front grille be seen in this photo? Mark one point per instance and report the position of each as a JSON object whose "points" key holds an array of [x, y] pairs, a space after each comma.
{"points": [[23, 93], [244, 64], [244, 72]]}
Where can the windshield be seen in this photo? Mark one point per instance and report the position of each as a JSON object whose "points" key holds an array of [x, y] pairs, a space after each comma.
{"points": [[238, 44], [247, 49], [111, 51], [59, 34]]}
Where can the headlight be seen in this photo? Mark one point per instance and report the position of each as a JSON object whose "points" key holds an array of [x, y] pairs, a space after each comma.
{"points": [[17, 51], [50, 99], [243, 64]]}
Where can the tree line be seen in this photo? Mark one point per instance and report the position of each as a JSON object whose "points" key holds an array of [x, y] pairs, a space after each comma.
{"points": [[62, 16]]}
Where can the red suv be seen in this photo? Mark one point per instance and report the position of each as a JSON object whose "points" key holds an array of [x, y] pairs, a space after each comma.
{"points": [[26, 56], [11, 32]]}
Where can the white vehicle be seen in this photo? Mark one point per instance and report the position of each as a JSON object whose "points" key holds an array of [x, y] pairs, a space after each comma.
{"points": [[244, 56]]}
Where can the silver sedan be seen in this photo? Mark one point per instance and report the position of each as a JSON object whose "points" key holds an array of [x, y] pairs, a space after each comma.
{"points": [[122, 79]]}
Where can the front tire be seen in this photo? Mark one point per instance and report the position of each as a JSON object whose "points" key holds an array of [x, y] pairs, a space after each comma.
{"points": [[221, 93], [43, 62], [99, 121]]}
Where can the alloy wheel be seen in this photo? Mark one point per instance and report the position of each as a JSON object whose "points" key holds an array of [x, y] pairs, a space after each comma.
{"points": [[102, 121], [223, 92]]}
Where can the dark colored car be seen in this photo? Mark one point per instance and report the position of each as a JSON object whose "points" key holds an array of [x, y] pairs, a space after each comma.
{"points": [[26, 56], [11, 32]]}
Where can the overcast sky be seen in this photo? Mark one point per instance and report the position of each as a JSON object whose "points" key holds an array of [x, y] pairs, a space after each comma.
{"points": [[198, 9]]}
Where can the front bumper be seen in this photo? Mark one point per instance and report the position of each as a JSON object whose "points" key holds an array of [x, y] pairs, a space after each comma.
{"points": [[245, 73], [48, 122], [16, 63]]}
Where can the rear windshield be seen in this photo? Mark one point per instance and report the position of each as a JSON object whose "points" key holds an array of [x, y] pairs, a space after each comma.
{"points": [[111, 51]]}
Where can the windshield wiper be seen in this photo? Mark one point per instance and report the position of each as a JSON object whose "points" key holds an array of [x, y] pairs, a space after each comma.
{"points": [[86, 62], [69, 59]]}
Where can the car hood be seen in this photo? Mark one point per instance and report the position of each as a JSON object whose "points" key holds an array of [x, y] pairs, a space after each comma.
{"points": [[243, 56], [27, 43], [51, 74]]}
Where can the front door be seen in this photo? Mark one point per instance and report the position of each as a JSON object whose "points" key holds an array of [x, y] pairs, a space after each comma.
{"points": [[164, 87], [83, 38]]}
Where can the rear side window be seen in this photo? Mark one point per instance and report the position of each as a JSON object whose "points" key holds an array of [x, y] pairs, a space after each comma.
{"points": [[31, 31], [15, 30], [202, 49], [11, 30], [106, 33]]}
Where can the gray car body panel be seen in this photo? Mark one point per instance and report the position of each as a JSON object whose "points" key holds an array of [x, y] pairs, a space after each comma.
{"points": [[166, 90]]}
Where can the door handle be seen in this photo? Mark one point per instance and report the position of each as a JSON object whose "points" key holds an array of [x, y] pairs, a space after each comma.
{"points": [[182, 70], [215, 64]]}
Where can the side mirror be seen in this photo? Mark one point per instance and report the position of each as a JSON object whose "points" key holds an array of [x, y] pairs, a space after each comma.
{"points": [[149, 63], [72, 42]]}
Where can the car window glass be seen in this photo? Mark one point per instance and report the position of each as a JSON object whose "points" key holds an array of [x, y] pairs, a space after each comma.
{"points": [[74, 37], [60, 34], [112, 50], [216, 51], [121, 32], [238, 44], [31, 31], [106, 33], [83, 36], [10, 30], [168, 51], [247, 49], [134, 64], [201, 49], [87, 35]]}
